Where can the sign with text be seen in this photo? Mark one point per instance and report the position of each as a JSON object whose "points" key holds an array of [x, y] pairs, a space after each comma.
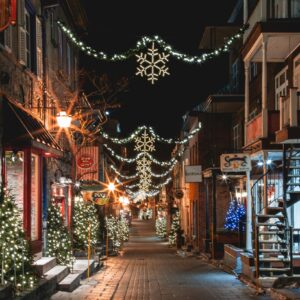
{"points": [[96, 197], [235, 162], [87, 163], [193, 173]]}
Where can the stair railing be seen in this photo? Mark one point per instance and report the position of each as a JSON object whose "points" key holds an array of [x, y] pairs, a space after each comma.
{"points": [[270, 175]]}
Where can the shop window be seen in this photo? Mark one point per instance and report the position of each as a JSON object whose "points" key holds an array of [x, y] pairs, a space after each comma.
{"points": [[14, 164], [281, 85], [295, 8], [35, 196]]}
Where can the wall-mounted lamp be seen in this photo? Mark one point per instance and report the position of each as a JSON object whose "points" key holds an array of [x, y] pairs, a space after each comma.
{"points": [[63, 120]]}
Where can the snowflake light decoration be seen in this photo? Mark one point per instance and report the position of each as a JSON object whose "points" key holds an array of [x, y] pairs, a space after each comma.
{"points": [[144, 143], [143, 165], [152, 64]]}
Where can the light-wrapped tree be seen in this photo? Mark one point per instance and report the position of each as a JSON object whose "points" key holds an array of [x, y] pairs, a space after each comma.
{"points": [[85, 215], [175, 226], [15, 257], [59, 243]]}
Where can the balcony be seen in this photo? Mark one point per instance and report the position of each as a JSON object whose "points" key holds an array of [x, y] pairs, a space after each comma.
{"points": [[254, 128], [289, 130]]}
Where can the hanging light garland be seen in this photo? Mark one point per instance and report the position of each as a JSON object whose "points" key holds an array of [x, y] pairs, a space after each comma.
{"points": [[139, 155], [157, 137], [145, 41]]}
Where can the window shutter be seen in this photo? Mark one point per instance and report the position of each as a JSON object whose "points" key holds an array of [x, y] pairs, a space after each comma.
{"points": [[8, 38], [21, 33], [39, 48]]}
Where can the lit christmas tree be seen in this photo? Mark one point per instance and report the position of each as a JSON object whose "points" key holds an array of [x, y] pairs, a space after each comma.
{"points": [[59, 243], [236, 213], [85, 214], [161, 227], [175, 226], [118, 231], [15, 257]]}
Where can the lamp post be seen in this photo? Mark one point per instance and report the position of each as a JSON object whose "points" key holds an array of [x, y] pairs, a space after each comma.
{"points": [[63, 119]]}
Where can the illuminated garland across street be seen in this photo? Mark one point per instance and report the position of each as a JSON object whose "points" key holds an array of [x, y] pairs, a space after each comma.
{"points": [[139, 155], [158, 138], [145, 41]]}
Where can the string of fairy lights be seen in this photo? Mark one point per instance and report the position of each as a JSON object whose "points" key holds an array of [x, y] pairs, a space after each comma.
{"points": [[144, 138], [144, 41], [152, 132]]}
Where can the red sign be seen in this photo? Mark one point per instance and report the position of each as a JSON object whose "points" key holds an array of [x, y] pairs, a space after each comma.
{"points": [[85, 161], [7, 13]]}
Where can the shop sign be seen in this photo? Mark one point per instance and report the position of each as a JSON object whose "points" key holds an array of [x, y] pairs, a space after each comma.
{"points": [[87, 163], [235, 162], [96, 197], [100, 198], [193, 173]]}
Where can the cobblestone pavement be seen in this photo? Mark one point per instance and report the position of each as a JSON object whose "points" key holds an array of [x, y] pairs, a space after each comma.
{"points": [[149, 269]]}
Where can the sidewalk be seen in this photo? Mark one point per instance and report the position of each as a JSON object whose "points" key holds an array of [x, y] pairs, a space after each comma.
{"points": [[149, 269]]}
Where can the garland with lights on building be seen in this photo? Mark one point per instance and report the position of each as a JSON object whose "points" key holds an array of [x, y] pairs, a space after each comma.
{"points": [[161, 227], [175, 226], [118, 231], [84, 215], [145, 41], [59, 243], [236, 213], [15, 257]]}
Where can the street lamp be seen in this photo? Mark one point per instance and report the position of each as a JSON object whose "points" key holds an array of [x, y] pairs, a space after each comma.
{"points": [[111, 187], [63, 120]]}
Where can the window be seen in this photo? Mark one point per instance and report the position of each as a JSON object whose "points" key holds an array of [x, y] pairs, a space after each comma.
{"points": [[278, 9], [297, 72], [14, 167], [53, 29], [237, 136], [8, 38], [295, 8], [29, 38], [281, 84], [253, 70], [27, 32]]}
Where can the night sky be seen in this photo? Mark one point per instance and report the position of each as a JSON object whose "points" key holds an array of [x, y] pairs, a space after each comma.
{"points": [[115, 26]]}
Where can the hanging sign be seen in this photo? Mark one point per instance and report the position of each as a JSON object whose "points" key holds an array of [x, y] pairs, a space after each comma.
{"points": [[100, 198], [97, 197], [193, 173], [87, 163], [7, 13], [235, 162]]}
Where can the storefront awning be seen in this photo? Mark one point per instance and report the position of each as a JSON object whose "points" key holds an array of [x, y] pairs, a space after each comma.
{"points": [[22, 129]]}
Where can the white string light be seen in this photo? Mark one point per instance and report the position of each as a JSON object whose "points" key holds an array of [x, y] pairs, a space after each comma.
{"points": [[145, 41], [157, 137]]}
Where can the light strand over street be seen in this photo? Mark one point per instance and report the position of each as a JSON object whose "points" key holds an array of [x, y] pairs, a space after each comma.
{"points": [[144, 42]]}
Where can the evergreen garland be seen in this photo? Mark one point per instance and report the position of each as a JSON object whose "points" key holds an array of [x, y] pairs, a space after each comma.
{"points": [[15, 257], [175, 226], [59, 243], [85, 214]]}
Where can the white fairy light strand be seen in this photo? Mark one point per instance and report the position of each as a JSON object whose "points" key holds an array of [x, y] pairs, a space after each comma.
{"points": [[157, 137], [144, 41], [139, 155]]}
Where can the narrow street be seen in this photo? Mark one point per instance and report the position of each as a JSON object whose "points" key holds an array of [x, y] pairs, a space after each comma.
{"points": [[149, 269]]}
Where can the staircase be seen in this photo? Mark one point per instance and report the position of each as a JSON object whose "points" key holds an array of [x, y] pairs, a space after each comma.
{"points": [[273, 235]]}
